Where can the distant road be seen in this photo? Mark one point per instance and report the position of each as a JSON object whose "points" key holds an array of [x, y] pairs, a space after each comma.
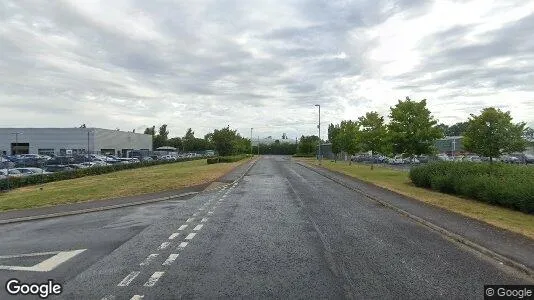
{"points": [[282, 231]]}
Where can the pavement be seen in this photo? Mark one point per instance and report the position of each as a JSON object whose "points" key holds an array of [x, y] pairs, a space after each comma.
{"points": [[280, 231]]}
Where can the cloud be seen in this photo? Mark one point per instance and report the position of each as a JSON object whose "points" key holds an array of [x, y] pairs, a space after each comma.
{"points": [[263, 64]]}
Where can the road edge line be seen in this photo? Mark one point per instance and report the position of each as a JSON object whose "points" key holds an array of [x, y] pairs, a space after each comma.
{"points": [[449, 234], [94, 209]]}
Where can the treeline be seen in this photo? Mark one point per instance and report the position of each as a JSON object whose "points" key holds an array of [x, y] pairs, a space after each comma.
{"points": [[225, 141], [412, 130]]}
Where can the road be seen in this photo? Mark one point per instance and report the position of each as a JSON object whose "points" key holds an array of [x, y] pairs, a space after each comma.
{"points": [[282, 231]]}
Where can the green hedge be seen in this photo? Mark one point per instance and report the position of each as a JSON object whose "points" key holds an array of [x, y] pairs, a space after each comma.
{"points": [[510, 186], [304, 155], [15, 182], [227, 159]]}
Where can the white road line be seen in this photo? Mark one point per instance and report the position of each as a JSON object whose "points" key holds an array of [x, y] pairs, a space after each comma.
{"points": [[170, 260], [153, 279], [137, 297], [190, 236], [182, 245], [190, 220], [195, 214], [149, 259], [182, 227], [201, 209], [47, 264], [210, 212], [109, 297], [128, 279], [164, 245], [204, 220], [198, 227], [173, 236]]}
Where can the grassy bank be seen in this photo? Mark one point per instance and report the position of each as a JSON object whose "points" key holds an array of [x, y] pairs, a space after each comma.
{"points": [[116, 184], [400, 182]]}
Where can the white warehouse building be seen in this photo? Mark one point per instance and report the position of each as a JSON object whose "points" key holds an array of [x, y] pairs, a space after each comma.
{"points": [[65, 141]]}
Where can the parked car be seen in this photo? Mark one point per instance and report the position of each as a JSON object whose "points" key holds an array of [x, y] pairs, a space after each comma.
{"points": [[444, 157], [58, 168], [32, 171], [524, 158], [11, 172], [472, 158], [509, 159]]}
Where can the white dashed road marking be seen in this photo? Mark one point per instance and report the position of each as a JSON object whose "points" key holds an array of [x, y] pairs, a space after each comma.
{"points": [[182, 227], [204, 220], [190, 236], [128, 279], [173, 236], [164, 245], [149, 259], [182, 245], [154, 278], [210, 212], [198, 227], [137, 297], [170, 260], [190, 220], [109, 297]]}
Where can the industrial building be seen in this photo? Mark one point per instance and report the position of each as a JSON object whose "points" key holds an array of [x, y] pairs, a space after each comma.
{"points": [[65, 141]]}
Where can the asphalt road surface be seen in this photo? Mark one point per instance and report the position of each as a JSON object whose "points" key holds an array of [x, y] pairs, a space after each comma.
{"points": [[282, 231]]}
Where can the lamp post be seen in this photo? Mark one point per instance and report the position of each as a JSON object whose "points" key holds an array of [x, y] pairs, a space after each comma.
{"points": [[319, 126]]}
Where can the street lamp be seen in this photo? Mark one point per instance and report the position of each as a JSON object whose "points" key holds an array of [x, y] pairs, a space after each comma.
{"points": [[319, 126]]}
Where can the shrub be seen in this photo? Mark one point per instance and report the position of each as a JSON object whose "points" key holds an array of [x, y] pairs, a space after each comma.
{"points": [[213, 160], [510, 186]]}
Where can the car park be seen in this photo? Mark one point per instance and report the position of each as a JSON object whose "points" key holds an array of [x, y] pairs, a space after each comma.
{"points": [[32, 171], [509, 159], [11, 172], [58, 168]]}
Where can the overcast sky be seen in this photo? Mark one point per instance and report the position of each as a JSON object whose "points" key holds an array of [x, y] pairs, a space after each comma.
{"points": [[206, 64]]}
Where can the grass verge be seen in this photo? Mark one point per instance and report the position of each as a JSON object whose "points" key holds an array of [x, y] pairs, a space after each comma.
{"points": [[399, 181], [117, 184]]}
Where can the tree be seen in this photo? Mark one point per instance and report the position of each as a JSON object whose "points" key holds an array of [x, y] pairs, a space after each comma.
{"points": [[175, 142], [412, 128], [348, 137], [492, 134], [333, 137], [188, 140], [229, 142], [457, 129], [373, 133], [150, 130], [308, 144], [528, 134]]}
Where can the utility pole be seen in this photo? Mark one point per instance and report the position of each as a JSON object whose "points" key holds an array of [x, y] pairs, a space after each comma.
{"points": [[251, 140], [319, 126], [258, 145]]}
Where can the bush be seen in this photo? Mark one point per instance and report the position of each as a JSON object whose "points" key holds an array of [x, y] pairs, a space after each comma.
{"points": [[16, 182], [213, 160], [304, 155], [510, 186]]}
